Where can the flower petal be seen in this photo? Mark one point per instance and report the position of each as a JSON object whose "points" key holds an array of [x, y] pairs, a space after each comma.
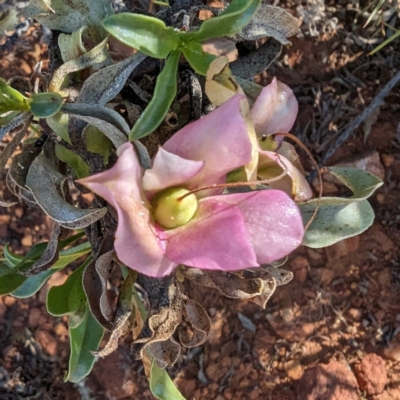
{"points": [[275, 109], [223, 129], [135, 241], [215, 239], [273, 222], [169, 170], [272, 164]]}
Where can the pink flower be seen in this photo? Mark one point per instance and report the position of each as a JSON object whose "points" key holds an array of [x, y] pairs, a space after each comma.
{"points": [[275, 110], [227, 231]]}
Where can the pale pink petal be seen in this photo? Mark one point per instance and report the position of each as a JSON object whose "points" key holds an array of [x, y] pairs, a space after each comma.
{"points": [[170, 170], [135, 241], [220, 139], [215, 239], [273, 222], [294, 183], [275, 109]]}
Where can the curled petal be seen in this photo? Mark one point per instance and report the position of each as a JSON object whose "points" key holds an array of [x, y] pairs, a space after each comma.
{"points": [[275, 109], [169, 170], [135, 241], [225, 130], [273, 222], [215, 239], [294, 183]]}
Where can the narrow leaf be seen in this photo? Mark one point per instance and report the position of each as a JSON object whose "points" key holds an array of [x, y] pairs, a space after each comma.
{"points": [[163, 96], [232, 20], [33, 283], [144, 33], [106, 120], [95, 56]]}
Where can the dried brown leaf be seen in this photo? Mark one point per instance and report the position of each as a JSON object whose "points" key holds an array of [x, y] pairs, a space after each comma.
{"points": [[200, 322]]}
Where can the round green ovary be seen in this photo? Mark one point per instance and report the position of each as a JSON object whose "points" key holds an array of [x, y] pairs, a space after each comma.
{"points": [[170, 210]]}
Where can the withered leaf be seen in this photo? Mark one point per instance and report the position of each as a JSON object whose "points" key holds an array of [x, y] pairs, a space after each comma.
{"points": [[281, 276], [17, 121], [105, 84], [20, 164], [165, 352], [94, 56], [44, 181], [94, 282], [230, 285], [50, 254], [164, 317], [200, 322], [270, 21], [268, 289], [12, 145], [122, 321]]}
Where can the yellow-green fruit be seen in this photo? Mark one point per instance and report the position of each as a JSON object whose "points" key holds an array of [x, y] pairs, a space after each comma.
{"points": [[170, 210]]}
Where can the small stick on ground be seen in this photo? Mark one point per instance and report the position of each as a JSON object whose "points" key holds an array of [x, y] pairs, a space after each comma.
{"points": [[355, 123]]}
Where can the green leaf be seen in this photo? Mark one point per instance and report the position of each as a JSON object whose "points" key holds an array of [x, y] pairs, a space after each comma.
{"points": [[341, 218], [68, 298], [73, 160], [32, 284], [161, 384], [232, 20], [10, 280], [197, 58], [45, 105], [147, 34], [11, 258], [97, 142], [163, 96], [84, 338], [59, 124]]}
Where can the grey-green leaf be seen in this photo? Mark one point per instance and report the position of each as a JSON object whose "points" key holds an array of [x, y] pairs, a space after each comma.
{"points": [[270, 21], [105, 84], [340, 218], [68, 16], [106, 120], [43, 181], [46, 104]]}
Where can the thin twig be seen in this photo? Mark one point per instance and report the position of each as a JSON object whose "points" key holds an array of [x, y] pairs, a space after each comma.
{"points": [[355, 123]]}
